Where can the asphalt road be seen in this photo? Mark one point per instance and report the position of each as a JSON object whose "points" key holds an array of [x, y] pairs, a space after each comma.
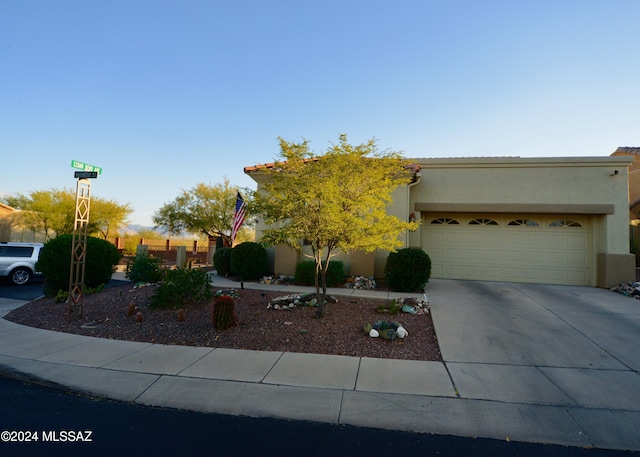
{"points": [[26, 292], [70, 424], [33, 289]]}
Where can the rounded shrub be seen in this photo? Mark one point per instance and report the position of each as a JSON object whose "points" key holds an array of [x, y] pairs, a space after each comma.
{"points": [[249, 260], [182, 286], [222, 261], [407, 270], [306, 270], [145, 268], [55, 263]]}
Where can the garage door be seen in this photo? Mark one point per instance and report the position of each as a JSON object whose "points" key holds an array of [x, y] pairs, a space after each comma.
{"points": [[548, 249]]}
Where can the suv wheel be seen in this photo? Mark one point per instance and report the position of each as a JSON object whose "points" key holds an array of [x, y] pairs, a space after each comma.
{"points": [[20, 276]]}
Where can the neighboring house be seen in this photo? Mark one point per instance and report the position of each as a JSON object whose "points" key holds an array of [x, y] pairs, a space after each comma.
{"points": [[11, 231], [634, 181], [540, 220], [6, 217]]}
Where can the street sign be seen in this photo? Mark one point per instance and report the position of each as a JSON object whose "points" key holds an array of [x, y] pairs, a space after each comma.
{"points": [[85, 167], [86, 174]]}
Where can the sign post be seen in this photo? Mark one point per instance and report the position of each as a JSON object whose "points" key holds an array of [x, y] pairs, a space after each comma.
{"points": [[79, 243]]}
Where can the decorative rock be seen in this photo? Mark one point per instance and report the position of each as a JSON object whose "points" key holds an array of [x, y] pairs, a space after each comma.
{"points": [[291, 301], [401, 332], [388, 334], [360, 282], [409, 309], [414, 305], [277, 279], [233, 293], [629, 289], [373, 333]]}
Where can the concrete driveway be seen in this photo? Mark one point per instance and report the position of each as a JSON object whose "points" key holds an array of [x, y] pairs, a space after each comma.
{"points": [[563, 345], [535, 324]]}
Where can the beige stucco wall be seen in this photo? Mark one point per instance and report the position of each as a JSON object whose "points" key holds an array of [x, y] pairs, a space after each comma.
{"points": [[575, 185], [579, 185]]}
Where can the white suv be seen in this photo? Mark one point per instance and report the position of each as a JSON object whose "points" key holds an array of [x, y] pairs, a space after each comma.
{"points": [[18, 261]]}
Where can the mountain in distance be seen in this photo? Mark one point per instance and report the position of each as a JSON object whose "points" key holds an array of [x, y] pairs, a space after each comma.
{"points": [[133, 229]]}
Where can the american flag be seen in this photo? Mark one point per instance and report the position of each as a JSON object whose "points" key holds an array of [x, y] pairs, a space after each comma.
{"points": [[238, 216]]}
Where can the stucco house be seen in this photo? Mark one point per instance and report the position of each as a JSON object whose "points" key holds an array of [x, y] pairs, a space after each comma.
{"points": [[634, 181], [562, 220], [6, 220]]}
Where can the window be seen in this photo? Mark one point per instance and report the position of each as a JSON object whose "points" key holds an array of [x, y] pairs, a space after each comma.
{"points": [[481, 221], [16, 251], [565, 223], [523, 223], [445, 220]]}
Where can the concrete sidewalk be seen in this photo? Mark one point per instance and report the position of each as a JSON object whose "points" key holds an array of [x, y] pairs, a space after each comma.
{"points": [[544, 364]]}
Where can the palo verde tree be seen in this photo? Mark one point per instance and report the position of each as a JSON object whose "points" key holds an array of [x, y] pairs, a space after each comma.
{"points": [[52, 212], [204, 209], [334, 202]]}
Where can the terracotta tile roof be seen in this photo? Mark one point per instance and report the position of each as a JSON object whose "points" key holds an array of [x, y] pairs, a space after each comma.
{"points": [[6, 207], [626, 150], [248, 170], [413, 167]]}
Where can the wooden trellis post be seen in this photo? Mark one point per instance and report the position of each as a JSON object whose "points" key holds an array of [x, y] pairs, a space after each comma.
{"points": [[79, 243]]}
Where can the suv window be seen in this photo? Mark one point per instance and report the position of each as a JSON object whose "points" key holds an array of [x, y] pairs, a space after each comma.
{"points": [[16, 251]]}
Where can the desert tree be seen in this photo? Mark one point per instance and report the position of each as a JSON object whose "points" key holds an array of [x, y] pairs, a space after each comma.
{"points": [[334, 202], [204, 209], [52, 212]]}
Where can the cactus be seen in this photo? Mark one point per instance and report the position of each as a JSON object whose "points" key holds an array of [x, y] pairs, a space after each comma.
{"points": [[224, 313]]}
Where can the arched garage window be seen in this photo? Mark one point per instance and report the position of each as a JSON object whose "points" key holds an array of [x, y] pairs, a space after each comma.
{"points": [[481, 221], [445, 220], [565, 223], [524, 223]]}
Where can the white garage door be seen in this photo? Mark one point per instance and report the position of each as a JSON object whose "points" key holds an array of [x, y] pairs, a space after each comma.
{"points": [[550, 249]]}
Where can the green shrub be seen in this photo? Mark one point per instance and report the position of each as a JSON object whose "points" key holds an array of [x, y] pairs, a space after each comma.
{"points": [[407, 270], [182, 287], [222, 261], [249, 260], [145, 268], [306, 270], [55, 263]]}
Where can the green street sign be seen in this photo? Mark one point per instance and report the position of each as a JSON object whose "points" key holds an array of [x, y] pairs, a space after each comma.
{"points": [[85, 166]]}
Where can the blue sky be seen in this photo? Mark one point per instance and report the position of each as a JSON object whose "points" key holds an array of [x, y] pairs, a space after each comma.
{"points": [[167, 94]]}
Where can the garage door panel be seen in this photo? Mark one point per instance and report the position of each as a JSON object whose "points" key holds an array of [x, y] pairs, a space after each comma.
{"points": [[455, 254], [534, 256], [536, 274], [454, 237], [503, 252], [513, 274], [511, 257], [555, 240], [576, 277], [492, 273], [492, 256], [453, 271], [577, 241], [577, 258], [472, 272], [473, 255], [555, 258]]}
